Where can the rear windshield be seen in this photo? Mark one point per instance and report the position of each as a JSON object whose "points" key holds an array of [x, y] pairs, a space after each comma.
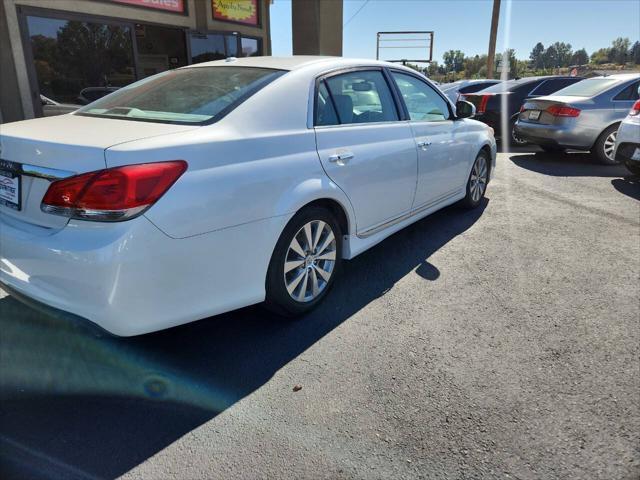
{"points": [[587, 88], [185, 96], [508, 86]]}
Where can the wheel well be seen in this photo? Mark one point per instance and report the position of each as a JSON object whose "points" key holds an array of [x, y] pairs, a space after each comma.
{"points": [[605, 129], [336, 209]]}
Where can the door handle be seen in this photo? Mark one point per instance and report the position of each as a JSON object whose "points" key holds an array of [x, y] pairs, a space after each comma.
{"points": [[423, 144], [341, 158]]}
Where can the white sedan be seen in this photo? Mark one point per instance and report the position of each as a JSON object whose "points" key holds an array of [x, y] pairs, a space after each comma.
{"points": [[224, 184]]}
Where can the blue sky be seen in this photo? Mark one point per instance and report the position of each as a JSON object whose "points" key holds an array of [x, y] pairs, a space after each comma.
{"points": [[464, 24]]}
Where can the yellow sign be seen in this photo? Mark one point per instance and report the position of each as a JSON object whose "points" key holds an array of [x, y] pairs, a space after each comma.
{"points": [[241, 11]]}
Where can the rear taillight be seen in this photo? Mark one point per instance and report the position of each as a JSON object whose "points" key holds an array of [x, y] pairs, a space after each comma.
{"points": [[114, 194], [483, 103], [521, 108], [563, 111], [635, 110]]}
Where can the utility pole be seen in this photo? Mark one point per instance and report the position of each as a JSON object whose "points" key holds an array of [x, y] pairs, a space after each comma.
{"points": [[495, 16]]}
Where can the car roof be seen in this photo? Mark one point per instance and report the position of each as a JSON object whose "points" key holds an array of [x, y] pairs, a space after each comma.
{"points": [[294, 62], [620, 76]]}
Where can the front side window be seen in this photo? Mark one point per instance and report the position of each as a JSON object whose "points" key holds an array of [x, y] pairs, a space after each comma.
{"points": [[355, 97], [189, 95], [422, 102]]}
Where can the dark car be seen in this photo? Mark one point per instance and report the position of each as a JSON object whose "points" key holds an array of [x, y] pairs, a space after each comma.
{"points": [[488, 102]]}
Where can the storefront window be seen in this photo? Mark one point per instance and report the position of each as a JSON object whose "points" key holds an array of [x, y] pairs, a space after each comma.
{"points": [[212, 46], [250, 47], [78, 61], [159, 49]]}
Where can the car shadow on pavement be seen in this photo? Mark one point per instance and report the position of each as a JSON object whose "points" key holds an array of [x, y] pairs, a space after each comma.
{"points": [[76, 406], [569, 164], [629, 185]]}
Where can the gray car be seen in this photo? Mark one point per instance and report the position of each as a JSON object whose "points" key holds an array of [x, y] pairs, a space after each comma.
{"points": [[582, 116]]}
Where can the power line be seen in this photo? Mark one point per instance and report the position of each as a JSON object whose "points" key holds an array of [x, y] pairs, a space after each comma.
{"points": [[354, 15]]}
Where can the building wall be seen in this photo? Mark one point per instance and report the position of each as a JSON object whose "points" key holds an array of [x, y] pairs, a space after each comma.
{"points": [[15, 94]]}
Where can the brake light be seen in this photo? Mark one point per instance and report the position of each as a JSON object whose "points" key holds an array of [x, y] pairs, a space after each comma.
{"points": [[113, 194], [635, 110], [521, 108], [483, 103], [563, 111]]}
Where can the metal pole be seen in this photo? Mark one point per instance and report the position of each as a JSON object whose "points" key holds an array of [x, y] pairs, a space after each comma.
{"points": [[495, 16]]}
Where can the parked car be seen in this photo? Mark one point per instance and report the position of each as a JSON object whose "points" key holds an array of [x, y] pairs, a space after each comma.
{"points": [[488, 102], [628, 140], [455, 89], [228, 183], [51, 107], [584, 116], [91, 94]]}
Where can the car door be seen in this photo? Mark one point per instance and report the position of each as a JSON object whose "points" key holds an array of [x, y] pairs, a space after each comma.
{"points": [[363, 146], [443, 145]]}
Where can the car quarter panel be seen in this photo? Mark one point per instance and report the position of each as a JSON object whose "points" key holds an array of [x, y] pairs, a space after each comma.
{"points": [[258, 162]]}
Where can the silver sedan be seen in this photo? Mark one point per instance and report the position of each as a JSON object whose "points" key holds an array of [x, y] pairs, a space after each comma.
{"points": [[582, 116]]}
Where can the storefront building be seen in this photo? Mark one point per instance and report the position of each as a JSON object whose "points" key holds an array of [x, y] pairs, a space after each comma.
{"points": [[58, 54]]}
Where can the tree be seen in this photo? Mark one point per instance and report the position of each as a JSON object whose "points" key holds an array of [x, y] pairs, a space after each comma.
{"points": [[563, 52], [453, 60], [551, 57], [537, 56], [600, 56], [580, 57], [511, 61], [634, 53], [619, 50]]}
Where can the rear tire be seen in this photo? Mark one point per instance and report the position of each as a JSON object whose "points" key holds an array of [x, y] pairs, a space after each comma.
{"points": [[478, 180], [305, 263], [517, 140], [604, 147]]}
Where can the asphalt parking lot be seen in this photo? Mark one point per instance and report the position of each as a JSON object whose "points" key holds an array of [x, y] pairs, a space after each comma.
{"points": [[497, 343]]}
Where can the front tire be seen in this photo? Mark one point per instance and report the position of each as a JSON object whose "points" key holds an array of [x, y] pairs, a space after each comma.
{"points": [[604, 147], [478, 180], [305, 263]]}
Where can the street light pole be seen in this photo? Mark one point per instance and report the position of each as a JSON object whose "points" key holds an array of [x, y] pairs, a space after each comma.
{"points": [[495, 16]]}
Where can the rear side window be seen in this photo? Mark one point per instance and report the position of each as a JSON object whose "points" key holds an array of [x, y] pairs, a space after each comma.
{"points": [[629, 93], [422, 102], [355, 97], [550, 86], [186, 96]]}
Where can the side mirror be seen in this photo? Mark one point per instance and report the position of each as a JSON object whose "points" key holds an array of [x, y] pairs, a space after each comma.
{"points": [[465, 109]]}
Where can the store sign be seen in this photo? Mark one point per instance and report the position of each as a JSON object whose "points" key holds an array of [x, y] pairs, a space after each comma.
{"points": [[167, 5], [239, 11]]}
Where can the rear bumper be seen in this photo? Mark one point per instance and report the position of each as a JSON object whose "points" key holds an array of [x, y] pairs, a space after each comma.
{"points": [[565, 136], [130, 278], [627, 141]]}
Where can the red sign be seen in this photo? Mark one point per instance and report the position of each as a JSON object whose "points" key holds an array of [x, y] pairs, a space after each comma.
{"points": [[167, 5], [237, 11]]}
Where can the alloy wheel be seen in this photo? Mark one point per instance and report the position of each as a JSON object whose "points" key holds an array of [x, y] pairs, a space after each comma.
{"points": [[310, 261], [516, 138], [478, 179], [610, 145]]}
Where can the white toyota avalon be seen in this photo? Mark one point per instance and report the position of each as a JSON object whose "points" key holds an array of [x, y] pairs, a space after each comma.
{"points": [[224, 184]]}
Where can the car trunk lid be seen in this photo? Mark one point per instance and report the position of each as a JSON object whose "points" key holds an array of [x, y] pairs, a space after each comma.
{"points": [[35, 152], [544, 110]]}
